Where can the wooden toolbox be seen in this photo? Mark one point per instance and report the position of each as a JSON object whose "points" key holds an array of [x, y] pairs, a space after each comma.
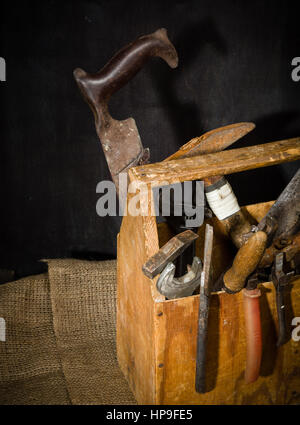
{"points": [[156, 338]]}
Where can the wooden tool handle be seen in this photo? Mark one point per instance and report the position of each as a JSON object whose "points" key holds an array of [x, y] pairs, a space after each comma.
{"points": [[97, 88], [225, 206], [213, 141], [237, 226], [245, 262]]}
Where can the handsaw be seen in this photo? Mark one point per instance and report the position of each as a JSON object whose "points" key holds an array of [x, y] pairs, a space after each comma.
{"points": [[120, 140]]}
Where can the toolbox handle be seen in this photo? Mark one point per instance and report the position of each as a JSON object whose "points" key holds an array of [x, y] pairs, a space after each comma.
{"points": [[219, 163]]}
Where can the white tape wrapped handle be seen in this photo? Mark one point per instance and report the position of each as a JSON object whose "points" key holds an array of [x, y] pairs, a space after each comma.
{"points": [[222, 201]]}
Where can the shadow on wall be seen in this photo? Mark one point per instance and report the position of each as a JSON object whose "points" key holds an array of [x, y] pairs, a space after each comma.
{"points": [[183, 115], [265, 184]]}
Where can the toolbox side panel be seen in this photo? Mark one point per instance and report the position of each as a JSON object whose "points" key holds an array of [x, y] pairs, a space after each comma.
{"points": [[279, 381], [137, 241]]}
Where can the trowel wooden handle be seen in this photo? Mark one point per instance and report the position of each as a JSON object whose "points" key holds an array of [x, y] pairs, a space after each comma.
{"points": [[97, 88], [213, 141], [245, 262]]}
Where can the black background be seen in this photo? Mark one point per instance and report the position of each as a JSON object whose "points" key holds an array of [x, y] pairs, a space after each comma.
{"points": [[234, 65]]}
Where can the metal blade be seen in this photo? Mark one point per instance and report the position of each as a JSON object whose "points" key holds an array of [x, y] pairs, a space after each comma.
{"points": [[122, 147], [206, 273]]}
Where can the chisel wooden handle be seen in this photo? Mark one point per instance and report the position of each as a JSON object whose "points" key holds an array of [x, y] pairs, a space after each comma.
{"points": [[245, 262], [97, 88], [213, 141]]}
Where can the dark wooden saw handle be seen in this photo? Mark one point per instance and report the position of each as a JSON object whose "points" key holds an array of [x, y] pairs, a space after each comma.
{"points": [[97, 88]]}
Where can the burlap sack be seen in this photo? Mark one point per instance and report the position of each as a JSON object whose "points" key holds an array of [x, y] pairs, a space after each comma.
{"points": [[60, 337]]}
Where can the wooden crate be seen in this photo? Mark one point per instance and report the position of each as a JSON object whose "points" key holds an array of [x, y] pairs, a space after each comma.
{"points": [[156, 338]]}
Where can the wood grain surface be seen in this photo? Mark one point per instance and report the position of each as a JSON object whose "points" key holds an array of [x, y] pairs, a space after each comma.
{"points": [[220, 163]]}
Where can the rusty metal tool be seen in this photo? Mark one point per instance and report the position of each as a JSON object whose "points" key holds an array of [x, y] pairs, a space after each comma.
{"points": [[168, 253], [285, 261], [161, 262], [281, 275], [120, 139], [205, 291], [285, 211], [289, 245], [179, 287]]}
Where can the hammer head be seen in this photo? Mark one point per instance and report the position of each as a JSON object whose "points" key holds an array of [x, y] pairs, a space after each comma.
{"points": [[168, 253]]}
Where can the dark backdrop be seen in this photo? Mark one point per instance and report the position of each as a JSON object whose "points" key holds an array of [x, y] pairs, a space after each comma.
{"points": [[234, 65]]}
